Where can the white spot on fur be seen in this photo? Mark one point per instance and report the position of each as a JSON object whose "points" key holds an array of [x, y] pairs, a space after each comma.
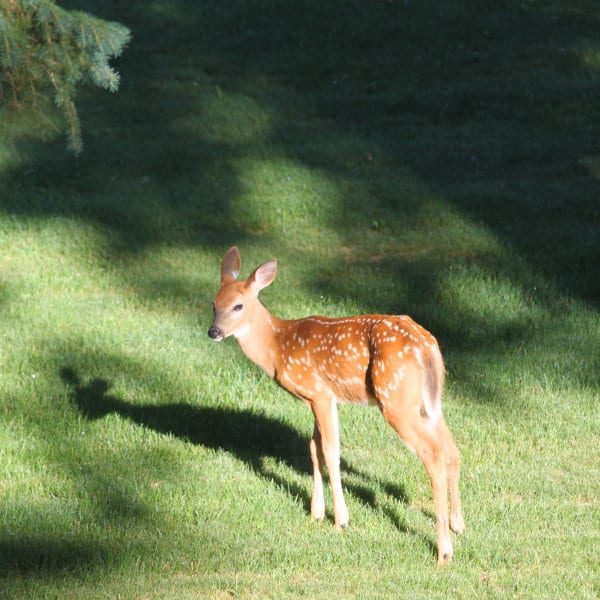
{"points": [[418, 355]]}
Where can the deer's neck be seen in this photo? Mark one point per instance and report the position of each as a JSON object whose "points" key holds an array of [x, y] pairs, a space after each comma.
{"points": [[260, 341]]}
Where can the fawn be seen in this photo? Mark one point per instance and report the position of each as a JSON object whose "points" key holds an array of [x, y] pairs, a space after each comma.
{"points": [[387, 361]]}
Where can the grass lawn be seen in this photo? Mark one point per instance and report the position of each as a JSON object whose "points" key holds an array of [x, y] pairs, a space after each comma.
{"points": [[439, 159]]}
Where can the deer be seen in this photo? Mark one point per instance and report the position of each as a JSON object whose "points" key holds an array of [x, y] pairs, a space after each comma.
{"points": [[388, 361]]}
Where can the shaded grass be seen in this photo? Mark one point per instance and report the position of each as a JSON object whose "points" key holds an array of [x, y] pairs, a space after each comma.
{"points": [[418, 158]]}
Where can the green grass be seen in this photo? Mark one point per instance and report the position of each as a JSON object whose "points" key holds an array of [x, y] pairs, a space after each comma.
{"points": [[402, 157]]}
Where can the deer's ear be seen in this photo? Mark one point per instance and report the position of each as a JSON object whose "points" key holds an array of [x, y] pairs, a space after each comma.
{"points": [[231, 265], [262, 276]]}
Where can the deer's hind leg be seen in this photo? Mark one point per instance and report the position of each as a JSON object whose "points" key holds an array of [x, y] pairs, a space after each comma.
{"points": [[401, 408], [457, 523], [433, 456]]}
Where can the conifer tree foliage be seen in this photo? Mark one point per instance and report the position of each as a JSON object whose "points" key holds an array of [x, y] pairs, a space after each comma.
{"points": [[45, 53]]}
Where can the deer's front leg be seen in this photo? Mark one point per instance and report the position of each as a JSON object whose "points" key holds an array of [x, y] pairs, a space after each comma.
{"points": [[326, 419], [317, 502]]}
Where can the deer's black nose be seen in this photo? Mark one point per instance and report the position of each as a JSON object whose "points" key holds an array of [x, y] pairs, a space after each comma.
{"points": [[215, 333]]}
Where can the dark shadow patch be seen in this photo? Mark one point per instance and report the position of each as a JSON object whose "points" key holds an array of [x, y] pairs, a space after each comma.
{"points": [[401, 525], [249, 437], [396, 491], [44, 554]]}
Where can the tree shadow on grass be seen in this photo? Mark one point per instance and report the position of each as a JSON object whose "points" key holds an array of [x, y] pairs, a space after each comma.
{"points": [[494, 110], [49, 554], [249, 437]]}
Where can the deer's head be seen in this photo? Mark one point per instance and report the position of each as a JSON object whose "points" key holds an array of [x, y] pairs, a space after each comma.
{"points": [[235, 302]]}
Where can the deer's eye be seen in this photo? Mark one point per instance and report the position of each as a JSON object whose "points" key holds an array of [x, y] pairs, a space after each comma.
{"points": [[238, 307], [214, 308]]}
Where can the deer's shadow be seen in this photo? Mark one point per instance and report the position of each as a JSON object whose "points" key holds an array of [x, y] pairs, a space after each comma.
{"points": [[250, 437]]}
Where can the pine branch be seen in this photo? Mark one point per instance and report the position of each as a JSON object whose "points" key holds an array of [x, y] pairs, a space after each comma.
{"points": [[48, 51]]}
